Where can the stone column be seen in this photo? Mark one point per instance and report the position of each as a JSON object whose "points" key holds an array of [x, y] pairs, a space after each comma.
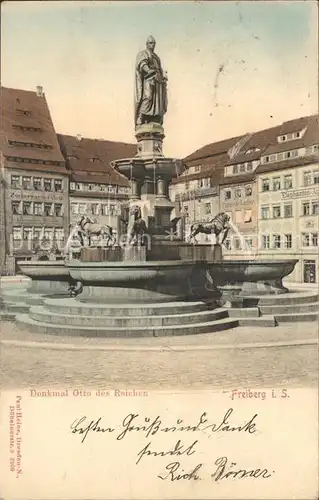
{"points": [[148, 186], [161, 187], [135, 195]]}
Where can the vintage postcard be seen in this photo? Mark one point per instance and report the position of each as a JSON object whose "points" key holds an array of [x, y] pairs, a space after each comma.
{"points": [[159, 257]]}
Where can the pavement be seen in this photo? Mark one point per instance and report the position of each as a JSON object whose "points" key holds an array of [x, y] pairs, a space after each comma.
{"points": [[285, 356]]}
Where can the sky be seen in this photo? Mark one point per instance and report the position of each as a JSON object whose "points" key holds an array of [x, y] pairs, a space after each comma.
{"points": [[233, 67]]}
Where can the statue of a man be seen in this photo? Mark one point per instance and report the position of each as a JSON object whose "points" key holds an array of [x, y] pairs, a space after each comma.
{"points": [[150, 86]]}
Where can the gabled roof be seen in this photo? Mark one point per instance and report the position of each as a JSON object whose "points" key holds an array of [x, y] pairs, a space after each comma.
{"points": [[310, 137], [290, 163], [213, 149], [89, 160], [14, 127]]}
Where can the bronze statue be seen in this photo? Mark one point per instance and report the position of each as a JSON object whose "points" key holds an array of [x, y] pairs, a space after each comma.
{"points": [[217, 226], [150, 86], [87, 227], [139, 229]]}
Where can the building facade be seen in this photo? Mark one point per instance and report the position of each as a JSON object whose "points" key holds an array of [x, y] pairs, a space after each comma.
{"points": [[288, 198], [35, 180], [268, 183], [95, 189]]}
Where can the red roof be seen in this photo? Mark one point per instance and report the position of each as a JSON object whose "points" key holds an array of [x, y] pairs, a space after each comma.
{"points": [[26, 119], [89, 160], [213, 149]]}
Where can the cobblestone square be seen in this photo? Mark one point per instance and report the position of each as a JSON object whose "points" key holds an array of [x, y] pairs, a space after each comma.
{"points": [[238, 358]]}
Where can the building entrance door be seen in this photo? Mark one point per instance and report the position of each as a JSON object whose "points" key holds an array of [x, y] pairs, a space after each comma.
{"points": [[309, 271]]}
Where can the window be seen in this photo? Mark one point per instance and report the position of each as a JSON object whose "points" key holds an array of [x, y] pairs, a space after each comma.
{"points": [[72, 186], [208, 208], [37, 208], [48, 209], [57, 185], [238, 193], [47, 185], [315, 208], [306, 208], [288, 241], [265, 212], [79, 186], [228, 244], [276, 241], [237, 244], [27, 233], [248, 243], [37, 183], [187, 185], [294, 153], [316, 177], [26, 183], [48, 233], [228, 194], [112, 209], [265, 241], [59, 234], [276, 184], [314, 239], [307, 180], [58, 209], [247, 216], [272, 158], [249, 166], [82, 208], [17, 233], [242, 168], [238, 216], [276, 211], [248, 190], [95, 208], [235, 169], [287, 154], [74, 209], [266, 159], [305, 239], [16, 207], [15, 181], [288, 181], [27, 208], [265, 185], [288, 210]]}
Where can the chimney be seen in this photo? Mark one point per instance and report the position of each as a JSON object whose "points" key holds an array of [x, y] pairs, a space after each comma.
{"points": [[78, 137], [39, 91]]}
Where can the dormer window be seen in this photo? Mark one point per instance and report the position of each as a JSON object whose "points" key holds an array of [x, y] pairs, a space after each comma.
{"points": [[94, 160], [290, 137]]}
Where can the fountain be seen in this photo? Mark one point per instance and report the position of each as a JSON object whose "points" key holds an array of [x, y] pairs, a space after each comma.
{"points": [[155, 284]]}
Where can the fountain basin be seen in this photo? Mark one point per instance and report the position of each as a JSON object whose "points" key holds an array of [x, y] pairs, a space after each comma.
{"points": [[134, 281], [48, 277], [252, 277]]}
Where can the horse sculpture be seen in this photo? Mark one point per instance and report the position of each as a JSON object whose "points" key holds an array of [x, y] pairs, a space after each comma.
{"points": [[87, 227], [139, 228], [217, 226]]}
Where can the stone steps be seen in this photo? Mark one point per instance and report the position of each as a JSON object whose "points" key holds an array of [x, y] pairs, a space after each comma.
{"points": [[41, 314], [290, 308], [7, 316], [73, 306], [25, 322], [245, 312], [297, 317], [264, 321], [15, 307], [288, 299]]}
